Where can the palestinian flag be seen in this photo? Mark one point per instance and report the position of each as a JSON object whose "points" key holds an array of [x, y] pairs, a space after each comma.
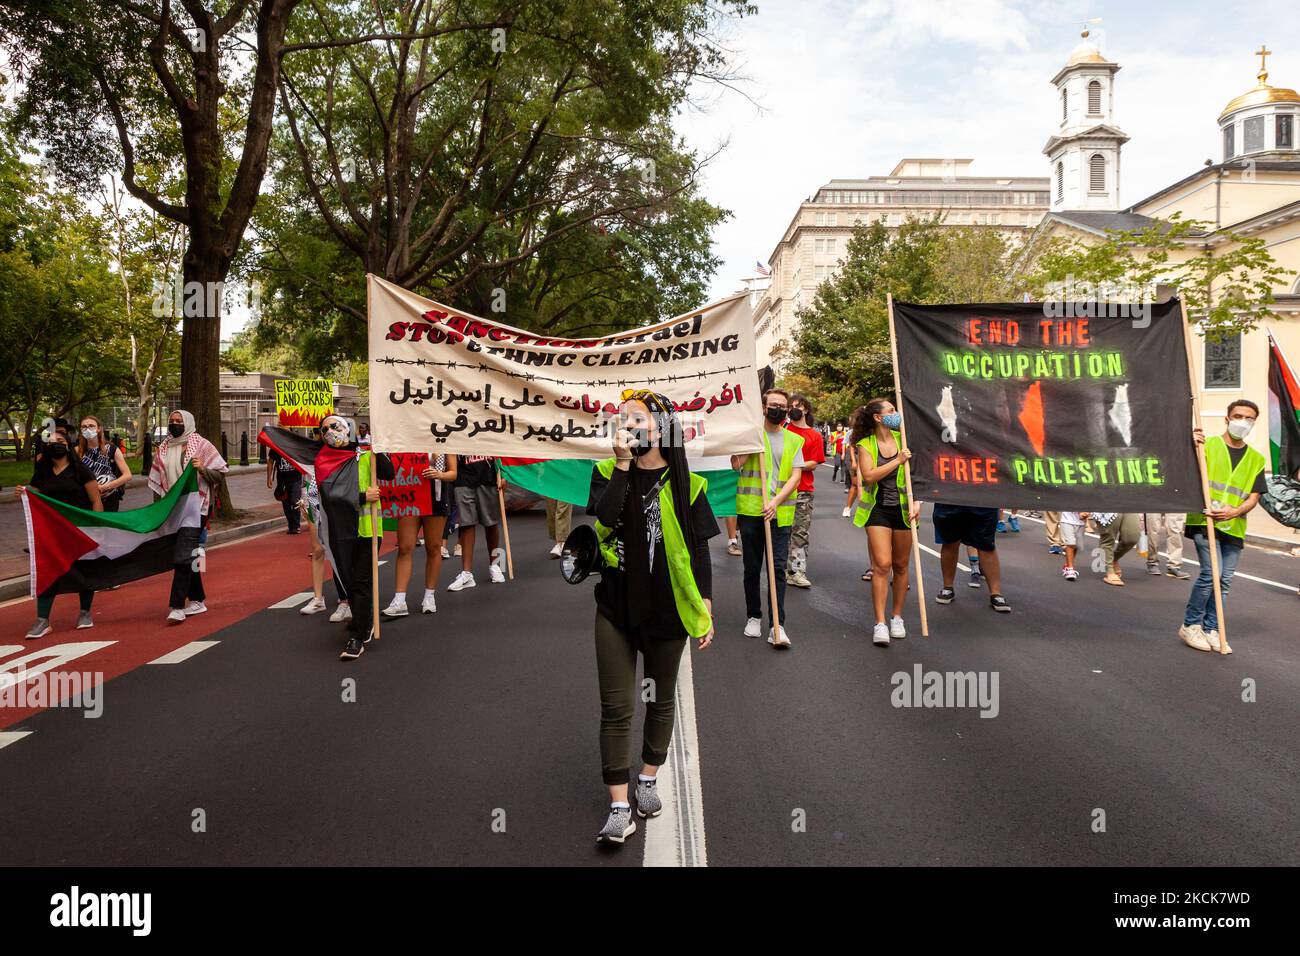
{"points": [[569, 479], [77, 550], [1283, 413]]}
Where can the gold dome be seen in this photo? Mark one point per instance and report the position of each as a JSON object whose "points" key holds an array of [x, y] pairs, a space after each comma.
{"points": [[1262, 93], [1085, 53]]}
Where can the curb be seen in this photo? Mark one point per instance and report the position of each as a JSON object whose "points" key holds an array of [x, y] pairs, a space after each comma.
{"points": [[7, 498], [1281, 545], [21, 587]]}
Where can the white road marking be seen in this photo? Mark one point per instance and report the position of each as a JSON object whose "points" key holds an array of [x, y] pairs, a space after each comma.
{"points": [[293, 600], [1193, 561], [8, 737], [936, 554], [676, 836], [185, 653], [383, 562]]}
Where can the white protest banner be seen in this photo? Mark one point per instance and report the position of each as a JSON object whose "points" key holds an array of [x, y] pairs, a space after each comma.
{"points": [[440, 378]]}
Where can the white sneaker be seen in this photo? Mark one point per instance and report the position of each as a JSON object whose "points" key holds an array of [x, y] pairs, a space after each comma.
{"points": [[778, 637], [1212, 639], [463, 580], [176, 616], [397, 607], [558, 549], [1194, 637], [845, 513], [341, 613], [445, 553], [314, 606], [428, 605], [195, 607], [754, 627], [496, 574], [896, 628], [880, 636]]}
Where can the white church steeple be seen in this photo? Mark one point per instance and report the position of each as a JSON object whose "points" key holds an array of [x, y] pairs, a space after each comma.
{"points": [[1084, 154]]}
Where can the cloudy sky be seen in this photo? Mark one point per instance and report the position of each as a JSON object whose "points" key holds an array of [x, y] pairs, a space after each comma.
{"points": [[842, 89]]}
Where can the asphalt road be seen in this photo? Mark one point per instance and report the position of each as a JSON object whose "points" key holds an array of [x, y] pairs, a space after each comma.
{"points": [[472, 738]]}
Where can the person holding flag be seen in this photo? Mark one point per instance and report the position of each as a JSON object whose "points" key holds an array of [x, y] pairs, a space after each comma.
{"points": [[345, 474], [783, 465], [654, 522], [67, 480], [182, 446], [1236, 476]]}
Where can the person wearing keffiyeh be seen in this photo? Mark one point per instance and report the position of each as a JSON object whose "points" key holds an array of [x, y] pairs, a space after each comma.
{"points": [[181, 446]]}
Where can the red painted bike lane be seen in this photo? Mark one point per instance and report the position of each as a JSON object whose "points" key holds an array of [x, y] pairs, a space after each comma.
{"points": [[131, 628]]}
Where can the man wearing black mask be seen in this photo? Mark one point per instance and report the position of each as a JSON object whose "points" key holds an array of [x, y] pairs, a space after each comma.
{"points": [[814, 453]]}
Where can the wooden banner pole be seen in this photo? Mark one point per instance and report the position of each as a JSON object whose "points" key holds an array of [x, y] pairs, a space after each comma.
{"points": [[376, 523], [1205, 489], [907, 469], [505, 532], [767, 537]]}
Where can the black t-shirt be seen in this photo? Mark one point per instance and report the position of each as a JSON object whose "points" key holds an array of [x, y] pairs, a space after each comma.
{"points": [[285, 473], [68, 486], [475, 471], [639, 601]]}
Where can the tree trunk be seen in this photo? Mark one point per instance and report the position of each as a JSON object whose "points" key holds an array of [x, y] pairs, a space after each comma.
{"points": [[204, 272]]}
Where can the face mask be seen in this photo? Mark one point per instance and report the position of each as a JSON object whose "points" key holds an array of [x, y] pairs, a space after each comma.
{"points": [[892, 420], [176, 429], [1239, 428], [335, 438], [776, 415], [796, 414], [640, 443], [57, 450], [90, 434]]}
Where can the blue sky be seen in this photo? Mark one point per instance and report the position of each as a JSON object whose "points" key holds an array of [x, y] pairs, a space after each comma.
{"points": [[846, 89]]}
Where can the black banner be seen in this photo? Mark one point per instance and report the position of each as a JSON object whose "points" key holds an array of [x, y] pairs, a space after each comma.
{"points": [[1059, 406]]}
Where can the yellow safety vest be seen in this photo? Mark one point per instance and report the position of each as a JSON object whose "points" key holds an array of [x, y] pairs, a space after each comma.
{"points": [[862, 508], [749, 486], [364, 460], [1228, 485], [686, 593]]}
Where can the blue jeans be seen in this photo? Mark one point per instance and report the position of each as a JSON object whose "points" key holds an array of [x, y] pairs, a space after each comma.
{"points": [[1200, 606], [753, 553]]}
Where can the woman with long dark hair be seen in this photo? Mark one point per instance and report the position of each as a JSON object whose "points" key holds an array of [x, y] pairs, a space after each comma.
{"points": [[654, 522], [105, 461], [882, 507]]}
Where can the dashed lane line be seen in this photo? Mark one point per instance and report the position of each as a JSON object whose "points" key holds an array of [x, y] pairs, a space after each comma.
{"points": [[293, 600], [676, 836], [185, 652], [8, 737]]}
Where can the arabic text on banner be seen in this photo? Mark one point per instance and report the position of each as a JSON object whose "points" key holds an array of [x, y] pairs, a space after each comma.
{"points": [[445, 381], [1024, 405]]}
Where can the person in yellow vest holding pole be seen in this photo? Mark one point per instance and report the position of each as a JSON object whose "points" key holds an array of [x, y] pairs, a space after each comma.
{"points": [[1236, 476], [783, 463], [883, 509], [654, 523]]}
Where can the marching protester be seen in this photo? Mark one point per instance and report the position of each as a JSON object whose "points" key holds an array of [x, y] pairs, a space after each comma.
{"points": [[559, 521], [68, 480], [1120, 534], [977, 528], [1165, 533], [105, 461], [1052, 528], [801, 424], [308, 506], [884, 510], [1236, 476], [852, 484], [286, 481], [1071, 530], [1012, 522], [733, 536], [783, 459], [477, 504], [654, 523], [837, 439], [441, 476], [182, 446]]}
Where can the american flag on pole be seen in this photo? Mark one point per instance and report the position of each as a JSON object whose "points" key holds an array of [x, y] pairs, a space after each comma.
{"points": [[762, 269]]}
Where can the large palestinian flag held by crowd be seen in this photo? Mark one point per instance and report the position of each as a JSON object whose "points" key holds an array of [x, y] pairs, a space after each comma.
{"points": [[77, 550], [1283, 413], [570, 479]]}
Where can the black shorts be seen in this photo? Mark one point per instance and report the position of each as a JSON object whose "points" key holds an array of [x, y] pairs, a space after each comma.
{"points": [[975, 527], [885, 517]]}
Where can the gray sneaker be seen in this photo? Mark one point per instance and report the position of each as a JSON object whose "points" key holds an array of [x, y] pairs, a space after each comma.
{"points": [[648, 803], [618, 827], [84, 621], [39, 629], [1178, 573]]}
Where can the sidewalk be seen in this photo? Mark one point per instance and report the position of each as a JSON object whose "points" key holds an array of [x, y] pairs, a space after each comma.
{"points": [[1264, 531]]}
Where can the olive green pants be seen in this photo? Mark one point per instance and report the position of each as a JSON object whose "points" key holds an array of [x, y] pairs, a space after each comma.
{"points": [[616, 668]]}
